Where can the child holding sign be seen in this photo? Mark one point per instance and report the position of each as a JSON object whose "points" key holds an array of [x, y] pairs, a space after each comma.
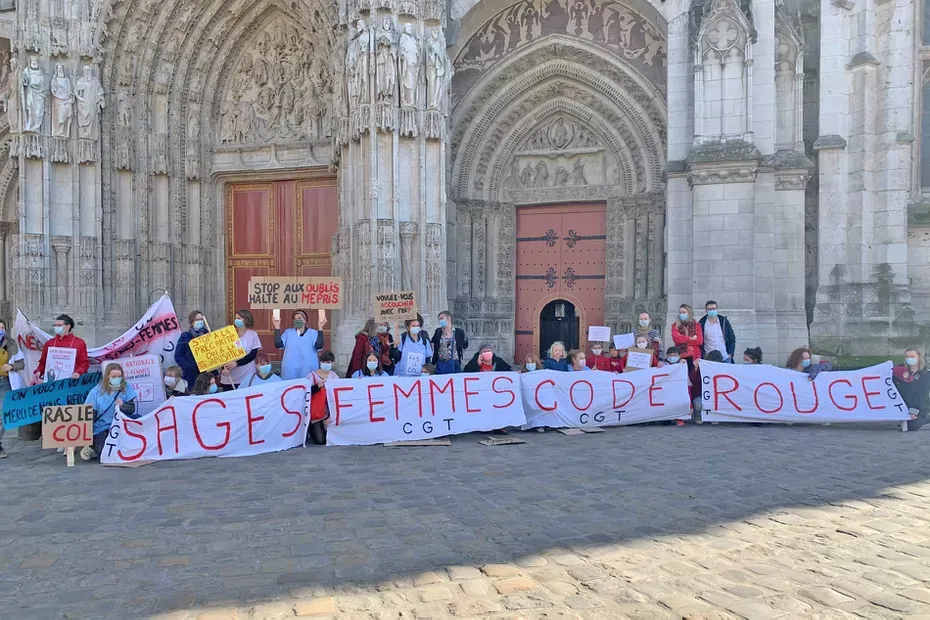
{"points": [[111, 394]]}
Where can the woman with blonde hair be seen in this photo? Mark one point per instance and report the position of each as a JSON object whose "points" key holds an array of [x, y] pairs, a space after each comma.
{"points": [[913, 383], [686, 333], [111, 394]]}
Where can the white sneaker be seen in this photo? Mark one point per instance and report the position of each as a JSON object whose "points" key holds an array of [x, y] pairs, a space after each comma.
{"points": [[88, 453]]}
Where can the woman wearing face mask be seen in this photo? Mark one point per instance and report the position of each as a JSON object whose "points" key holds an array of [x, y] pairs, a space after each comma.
{"points": [[205, 384], [597, 360], [235, 373], [7, 366], [174, 384], [652, 334], [449, 342], [301, 345], [319, 410], [111, 394], [800, 360], [643, 343], [555, 358], [366, 341], [183, 355], [372, 368], [686, 333], [263, 372], [576, 360], [752, 356], [913, 383], [387, 343], [415, 351], [64, 339], [531, 363], [485, 361], [616, 361]]}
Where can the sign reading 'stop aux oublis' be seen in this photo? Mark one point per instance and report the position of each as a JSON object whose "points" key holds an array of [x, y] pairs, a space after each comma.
{"points": [[293, 292]]}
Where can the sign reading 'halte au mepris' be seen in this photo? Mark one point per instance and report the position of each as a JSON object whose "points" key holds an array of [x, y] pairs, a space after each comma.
{"points": [[292, 292]]}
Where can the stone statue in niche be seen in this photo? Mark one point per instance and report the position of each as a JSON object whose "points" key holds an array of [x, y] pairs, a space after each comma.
{"points": [[512, 181], [90, 101], [409, 67], [124, 108], [561, 176], [578, 177], [542, 174], [33, 80], [4, 67], [263, 112], [438, 70], [363, 62], [528, 176], [62, 103], [14, 99], [228, 120], [351, 72], [386, 69]]}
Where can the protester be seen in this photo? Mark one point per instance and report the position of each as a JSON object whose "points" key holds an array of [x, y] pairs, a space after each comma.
{"points": [[301, 346], [597, 360], [415, 350], [7, 365], [372, 368], [111, 394], [643, 343], [387, 343], [428, 370], [65, 339], [673, 355], [800, 360], [913, 383], [555, 358], [174, 384], [319, 409], [576, 359], [617, 362], [531, 363], [652, 334], [262, 372], [183, 355], [449, 342], [239, 371], [686, 333], [718, 333], [366, 341], [205, 384], [486, 361], [752, 356]]}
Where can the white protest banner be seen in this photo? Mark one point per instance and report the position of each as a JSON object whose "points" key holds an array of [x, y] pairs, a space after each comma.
{"points": [[245, 422], [156, 332], [598, 334], [59, 363], [143, 373], [588, 399], [762, 393], [386, 409], [624, 341]]}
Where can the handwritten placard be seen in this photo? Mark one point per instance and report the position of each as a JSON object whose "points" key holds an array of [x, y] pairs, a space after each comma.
{"points": [[217, 348], [59, 363], [638, 359], [624, 341], [390, 307], [67, 426], [292, 292], [598, 333]]}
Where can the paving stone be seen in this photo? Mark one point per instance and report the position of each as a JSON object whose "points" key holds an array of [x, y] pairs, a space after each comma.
{"points": [[561, 588], [500, 570], [458, 573], [435, 594], [315, 607], [427, 578], [474, 607], [825, 596], [474, 587], [514, 584]]}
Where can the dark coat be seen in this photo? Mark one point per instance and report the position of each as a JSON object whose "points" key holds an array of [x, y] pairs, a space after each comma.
{"points": [[461, 343], [497, 364], [729, 336]]}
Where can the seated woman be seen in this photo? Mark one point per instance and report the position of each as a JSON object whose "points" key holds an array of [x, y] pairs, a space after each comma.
{"points": [[913, 383], [555, 359], [530, 363], [800, 360], [205, 384], [175, 385], [262, 372], [576, 359], [319, 410], [485, 361], [111, 394], [752, 356], [372, 368]]}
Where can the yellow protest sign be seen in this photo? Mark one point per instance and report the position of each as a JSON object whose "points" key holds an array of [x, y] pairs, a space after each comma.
{"points": [[217, 348]]}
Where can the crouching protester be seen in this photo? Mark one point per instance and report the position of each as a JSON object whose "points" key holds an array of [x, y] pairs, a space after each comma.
{"points": [[694, 380], [913, 383], [319, 409], [112, 393]]}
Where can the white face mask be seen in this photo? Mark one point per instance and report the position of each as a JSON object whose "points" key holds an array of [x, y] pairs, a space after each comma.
{"points": [[642, 345], [596, 351], [171, 381], [644, 322]]}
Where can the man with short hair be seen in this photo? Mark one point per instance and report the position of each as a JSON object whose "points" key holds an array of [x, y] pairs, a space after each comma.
{"points": [[65, 339], [718, 333]]}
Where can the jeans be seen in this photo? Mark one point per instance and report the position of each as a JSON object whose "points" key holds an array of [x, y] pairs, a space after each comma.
{"points": [[4, 388], [448, 367]]}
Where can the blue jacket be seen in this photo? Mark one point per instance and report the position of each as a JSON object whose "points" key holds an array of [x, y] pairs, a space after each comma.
{"points": [[104, 405], [561, 365], [184, 357]]}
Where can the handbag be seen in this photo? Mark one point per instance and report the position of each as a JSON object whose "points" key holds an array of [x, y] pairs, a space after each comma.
{"points": [[319, 408]]}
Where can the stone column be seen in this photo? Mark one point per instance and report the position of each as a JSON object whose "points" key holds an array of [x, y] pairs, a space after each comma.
{"points": [[391, 109]]}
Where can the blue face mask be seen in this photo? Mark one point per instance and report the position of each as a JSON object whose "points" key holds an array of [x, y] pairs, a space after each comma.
{"points": [[911, 361], [239, 323], [531, 366], [2, 334], [59, 330], [414, 330], [712, 314], [327, 366], [265, 369], [213, 388], [805, 363], [673, 360], [372, 366], [683, 316], [115, 382], [199, 325], [443, 322]]}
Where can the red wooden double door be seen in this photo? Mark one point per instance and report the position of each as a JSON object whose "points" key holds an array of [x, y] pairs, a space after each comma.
{"points": [[560, 270], [278, 228]]}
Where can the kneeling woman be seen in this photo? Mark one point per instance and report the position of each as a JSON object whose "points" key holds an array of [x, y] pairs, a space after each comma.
{"points": [[262, 373], [372, 368], [319, 410], [110, 394], [485, 361], [913, 383]]}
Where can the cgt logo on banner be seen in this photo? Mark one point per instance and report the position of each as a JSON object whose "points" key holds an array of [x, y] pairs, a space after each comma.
{"points": [[586, 399], [388, 409], [244, 422], [760, 393]]}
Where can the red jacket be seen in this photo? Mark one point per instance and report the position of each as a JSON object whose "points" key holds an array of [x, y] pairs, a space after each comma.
{"points": [[599, 362], [693, 347], [81, 361], [617, 364], [359, 354]]}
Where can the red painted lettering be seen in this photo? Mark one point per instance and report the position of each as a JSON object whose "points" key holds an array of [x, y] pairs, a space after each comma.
{"points": [[372, 402], [781, 399], [725, 393], [571, 395], [628, 398], [227, 426], [339, 405], [868, 394], [433, 389], [513, 395], [536, 395], [416, 387], [653, 388], [297, 414], [468, 393], [138, 455], [851, 397], [251, 420], [159, 428], [794, 395]]}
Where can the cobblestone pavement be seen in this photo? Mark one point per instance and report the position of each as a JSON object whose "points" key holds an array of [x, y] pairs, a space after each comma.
{"points": [[648, 522]]}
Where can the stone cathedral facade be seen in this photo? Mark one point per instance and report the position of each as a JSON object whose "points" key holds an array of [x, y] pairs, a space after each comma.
{"points": [[537, 166]]}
